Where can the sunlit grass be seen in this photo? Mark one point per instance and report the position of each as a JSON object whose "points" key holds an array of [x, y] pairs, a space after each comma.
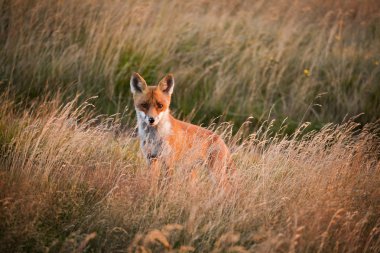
{"points": [[263, 74], [71, 181]]}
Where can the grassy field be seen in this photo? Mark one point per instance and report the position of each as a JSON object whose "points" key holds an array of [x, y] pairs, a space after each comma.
{"points": [[70, 181], [316, 61], [305, 74]]}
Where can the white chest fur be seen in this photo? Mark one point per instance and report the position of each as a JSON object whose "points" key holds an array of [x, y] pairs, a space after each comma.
{"points": [[153, 139]]}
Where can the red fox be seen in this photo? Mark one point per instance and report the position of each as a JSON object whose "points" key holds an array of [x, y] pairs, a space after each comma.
{"points": [[166, 140]]}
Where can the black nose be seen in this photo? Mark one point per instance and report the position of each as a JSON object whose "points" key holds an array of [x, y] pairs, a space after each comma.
{"points": [[151, 120]]}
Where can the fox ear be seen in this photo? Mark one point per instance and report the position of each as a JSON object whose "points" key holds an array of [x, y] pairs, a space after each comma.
{"points": [[167, 84], [138, 83]]}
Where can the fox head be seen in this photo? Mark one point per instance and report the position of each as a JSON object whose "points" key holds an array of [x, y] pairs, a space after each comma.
{"points": [[151, 102]]}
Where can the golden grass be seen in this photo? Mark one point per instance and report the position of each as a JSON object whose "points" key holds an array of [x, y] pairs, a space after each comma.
{"points": [[74, 181], [312, 60], [69, 181]]}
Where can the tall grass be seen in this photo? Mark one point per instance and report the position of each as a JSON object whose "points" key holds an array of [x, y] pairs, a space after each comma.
{"points": [[71, 174], [70, 181], [307, 60]]}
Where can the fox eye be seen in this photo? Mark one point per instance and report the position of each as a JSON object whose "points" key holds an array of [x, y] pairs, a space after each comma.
{"points": [[159, 105], [145, 105]]}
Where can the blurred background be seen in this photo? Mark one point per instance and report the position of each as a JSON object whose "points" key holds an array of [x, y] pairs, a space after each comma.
{"points": [[314, 60]]}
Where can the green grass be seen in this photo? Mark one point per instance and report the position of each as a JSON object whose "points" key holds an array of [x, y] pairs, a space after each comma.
{"points": [[234, 60]]}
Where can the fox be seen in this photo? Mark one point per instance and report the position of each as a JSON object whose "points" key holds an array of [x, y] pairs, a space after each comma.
{"points": [[165, 140]]}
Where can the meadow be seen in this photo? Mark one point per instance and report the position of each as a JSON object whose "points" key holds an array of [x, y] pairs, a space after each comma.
{"points": [[291, 86]]}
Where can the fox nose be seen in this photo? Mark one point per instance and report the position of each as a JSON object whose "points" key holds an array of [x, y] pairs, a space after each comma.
{"points": [[151, 120]]}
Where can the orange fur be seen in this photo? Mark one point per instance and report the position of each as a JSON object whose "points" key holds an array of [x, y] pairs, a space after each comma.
{"points": [[167, 140]]}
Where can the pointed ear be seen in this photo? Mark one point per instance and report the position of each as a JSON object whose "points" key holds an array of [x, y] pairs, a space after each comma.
{"points": [[137, 83], [167, 84]]}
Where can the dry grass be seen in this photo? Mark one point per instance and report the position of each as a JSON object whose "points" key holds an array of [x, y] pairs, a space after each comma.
{"points": [[69, 182], [312, 60], [73, 181]]}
